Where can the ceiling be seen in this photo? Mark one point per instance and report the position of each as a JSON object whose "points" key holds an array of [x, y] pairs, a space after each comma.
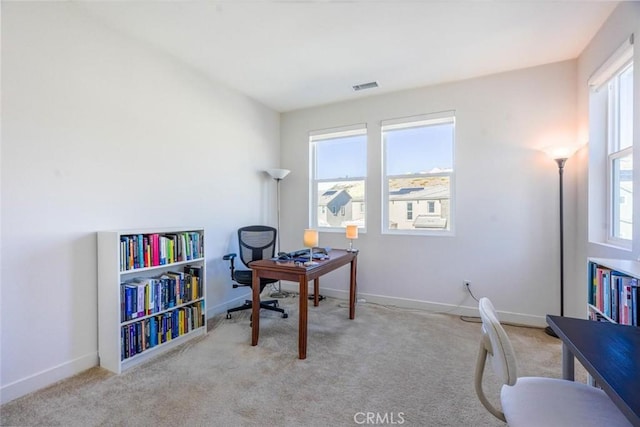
{"points": [[295, 54]]}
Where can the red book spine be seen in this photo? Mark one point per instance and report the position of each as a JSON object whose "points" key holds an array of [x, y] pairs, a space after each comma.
{"points": [[156, 249]]}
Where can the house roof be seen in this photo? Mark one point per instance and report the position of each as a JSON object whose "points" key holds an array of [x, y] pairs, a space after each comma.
{"points": [[438, 192]]}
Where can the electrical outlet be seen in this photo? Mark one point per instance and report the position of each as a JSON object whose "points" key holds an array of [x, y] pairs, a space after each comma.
{"points": [[466, 284]]}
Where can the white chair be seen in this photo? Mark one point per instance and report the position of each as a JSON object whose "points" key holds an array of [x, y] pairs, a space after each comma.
{"points": [[536, 401]]}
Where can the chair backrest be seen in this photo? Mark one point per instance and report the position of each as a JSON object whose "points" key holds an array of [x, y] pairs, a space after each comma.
{"points": [[496, 347], [256, 242], [501, 352]]}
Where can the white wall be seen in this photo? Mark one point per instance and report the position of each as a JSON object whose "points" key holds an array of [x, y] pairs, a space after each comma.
{"points": [[102, 132], [507, 227], [624, 21]]}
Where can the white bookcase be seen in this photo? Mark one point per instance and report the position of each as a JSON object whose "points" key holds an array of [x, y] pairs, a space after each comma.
{"points": [[151, 293]]}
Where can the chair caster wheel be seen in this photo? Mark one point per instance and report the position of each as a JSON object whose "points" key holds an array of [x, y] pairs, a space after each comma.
{"points": [[228, 315], [285, 315]]}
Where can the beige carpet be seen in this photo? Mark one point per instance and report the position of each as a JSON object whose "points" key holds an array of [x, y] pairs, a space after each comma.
{"points": [[411, 367]]}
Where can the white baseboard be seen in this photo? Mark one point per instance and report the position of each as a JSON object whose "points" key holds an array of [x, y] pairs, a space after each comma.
{"points": [[47, 377], [434, 307], [65, 370], [221, 308]]}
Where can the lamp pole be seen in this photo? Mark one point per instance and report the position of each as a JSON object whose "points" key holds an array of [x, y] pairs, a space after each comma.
{"points": [[560, 161], [278, 208], [278, 175]]}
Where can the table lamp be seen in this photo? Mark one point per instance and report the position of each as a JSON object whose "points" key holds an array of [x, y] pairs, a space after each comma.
{"points": [[310, 239], [352, 233]]}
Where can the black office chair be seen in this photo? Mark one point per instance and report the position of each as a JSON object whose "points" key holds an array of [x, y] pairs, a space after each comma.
{"points": [[255, 242]]}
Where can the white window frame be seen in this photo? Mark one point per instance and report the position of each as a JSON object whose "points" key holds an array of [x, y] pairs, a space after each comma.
{"points": [[612, 203], [317, 136], [418, 121], [604, 135]]}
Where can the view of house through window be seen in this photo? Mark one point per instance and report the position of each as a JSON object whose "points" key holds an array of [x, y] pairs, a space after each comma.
{"points": [[338, 170], [418, 173]]}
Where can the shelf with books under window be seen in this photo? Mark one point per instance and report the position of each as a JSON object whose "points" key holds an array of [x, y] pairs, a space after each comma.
{"points": [[151, 293], [614, 291]]}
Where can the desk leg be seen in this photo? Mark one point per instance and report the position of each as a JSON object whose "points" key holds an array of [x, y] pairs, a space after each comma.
{"points": [[352, 288], [255, 309], [568, 370], [302, 326], [316, 292]]}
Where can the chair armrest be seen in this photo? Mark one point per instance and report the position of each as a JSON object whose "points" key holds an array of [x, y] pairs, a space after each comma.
{"points": [[228, 257]]}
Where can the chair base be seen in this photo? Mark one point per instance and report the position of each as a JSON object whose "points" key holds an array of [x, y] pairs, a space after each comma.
{"points": [[271, 305]]}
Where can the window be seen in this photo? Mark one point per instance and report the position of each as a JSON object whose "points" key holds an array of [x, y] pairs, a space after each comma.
{"points": [[338, 177], [620, 142], [418, 170], [611, 133]]}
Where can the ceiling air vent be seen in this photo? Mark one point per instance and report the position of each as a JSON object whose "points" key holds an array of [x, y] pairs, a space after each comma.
{"points": [[363, 86]]}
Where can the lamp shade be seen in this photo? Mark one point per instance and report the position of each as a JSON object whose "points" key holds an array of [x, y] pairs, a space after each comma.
{"points": [[310, 238], [352, 231], [561, 151], [278, 173]]}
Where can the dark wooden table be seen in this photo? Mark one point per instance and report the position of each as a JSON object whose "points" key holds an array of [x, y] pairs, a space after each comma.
{"points": [[609, 352], [297, 272]]}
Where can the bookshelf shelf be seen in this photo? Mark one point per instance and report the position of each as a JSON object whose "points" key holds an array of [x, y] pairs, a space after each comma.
{"points": [[151, 293], [613, 291]]}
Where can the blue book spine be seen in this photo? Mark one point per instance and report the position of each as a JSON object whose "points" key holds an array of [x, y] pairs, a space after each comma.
{"points": [[134, 302], [139, 338], [123, 297], [127, 303], [153, 332], [196, 246], [132, 340], [163, 329], [174, 324], [134, 248], [140, 248], [171, 292], [158, 295]]}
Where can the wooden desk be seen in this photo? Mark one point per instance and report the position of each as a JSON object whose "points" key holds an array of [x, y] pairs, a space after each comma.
{"points": [[289, 270], [609, 352]]}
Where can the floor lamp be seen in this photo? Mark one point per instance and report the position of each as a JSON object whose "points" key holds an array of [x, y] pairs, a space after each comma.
{"points": [[278, 175], [560, 155]]}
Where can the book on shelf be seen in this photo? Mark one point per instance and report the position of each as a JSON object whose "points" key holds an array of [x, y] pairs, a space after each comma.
{"points": [[634, 302], [155, 249], [147, 333], [614, 295]]}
